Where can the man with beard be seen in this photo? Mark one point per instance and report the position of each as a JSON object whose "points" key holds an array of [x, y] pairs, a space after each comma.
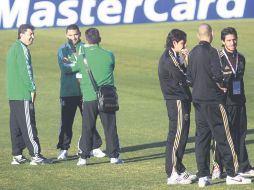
{"points": [[205, 76], [233, 66], [70, 94]]}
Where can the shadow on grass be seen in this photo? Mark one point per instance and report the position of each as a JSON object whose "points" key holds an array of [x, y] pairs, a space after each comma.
{"points": [[153, 145], [147, 157], [56, 161], [217, 182], [147, 146], [153, 156], [250, 131], [143, 146], [163, 144]]}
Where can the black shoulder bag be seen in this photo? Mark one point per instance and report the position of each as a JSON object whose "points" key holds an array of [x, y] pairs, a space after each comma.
{"points": [[106, 94]]}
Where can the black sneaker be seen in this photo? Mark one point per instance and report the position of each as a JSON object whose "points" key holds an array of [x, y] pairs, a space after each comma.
{"points": [[38, 159], [20, 159]]}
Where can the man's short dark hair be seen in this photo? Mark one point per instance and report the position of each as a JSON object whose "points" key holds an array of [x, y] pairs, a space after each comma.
{"points": [[72, 27], [175, 35], [227, 31], [93, 36], [23, 28]]}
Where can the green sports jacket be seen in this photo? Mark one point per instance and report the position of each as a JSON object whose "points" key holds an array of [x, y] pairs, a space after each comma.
{"points": [[20, 82], [69, 85], [101, 63]]}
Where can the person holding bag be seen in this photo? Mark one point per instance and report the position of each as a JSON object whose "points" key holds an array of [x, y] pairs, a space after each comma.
{"points": [[96, 66], [70, 95]]}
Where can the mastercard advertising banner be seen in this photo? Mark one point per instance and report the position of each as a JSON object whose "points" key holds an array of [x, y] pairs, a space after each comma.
{"points": [[60, 13]]}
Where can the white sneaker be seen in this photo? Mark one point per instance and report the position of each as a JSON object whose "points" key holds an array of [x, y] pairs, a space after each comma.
{"points": [[116, 161], [63, 155], [187, 175], [82, 162], [177, 179], [20, 159], [216, 173], [97, 153], [237, 180], [249, 173], [204, 181], [38, 159]]}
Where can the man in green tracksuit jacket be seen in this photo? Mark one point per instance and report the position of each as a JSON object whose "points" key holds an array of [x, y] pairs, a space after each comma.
{"points": [[70, 95], [101, 63], [21, 92]]}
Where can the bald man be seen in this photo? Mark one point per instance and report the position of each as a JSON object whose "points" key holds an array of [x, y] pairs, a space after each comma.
{"points": [[204, 74]]}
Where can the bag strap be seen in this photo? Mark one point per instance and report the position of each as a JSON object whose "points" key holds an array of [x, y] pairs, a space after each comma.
{"points": [[90, 74]]}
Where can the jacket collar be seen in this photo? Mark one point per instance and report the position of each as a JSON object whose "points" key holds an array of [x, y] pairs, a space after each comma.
{"points": [[229, 54], [204, 43]]}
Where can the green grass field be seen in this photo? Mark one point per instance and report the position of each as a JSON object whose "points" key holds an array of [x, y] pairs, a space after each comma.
{"points": [[142, 119]]}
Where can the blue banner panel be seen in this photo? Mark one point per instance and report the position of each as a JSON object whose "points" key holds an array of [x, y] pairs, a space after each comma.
{"points": [[59, 13]]}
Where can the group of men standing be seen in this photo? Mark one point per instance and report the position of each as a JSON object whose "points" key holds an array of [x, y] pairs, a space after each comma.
{"points": [[76, 91], [74, 70], [216, 78]]}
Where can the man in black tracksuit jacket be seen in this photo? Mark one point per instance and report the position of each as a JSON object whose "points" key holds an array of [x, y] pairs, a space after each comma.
{"points": [[233, 66], [177, 94], [205, 75]]}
